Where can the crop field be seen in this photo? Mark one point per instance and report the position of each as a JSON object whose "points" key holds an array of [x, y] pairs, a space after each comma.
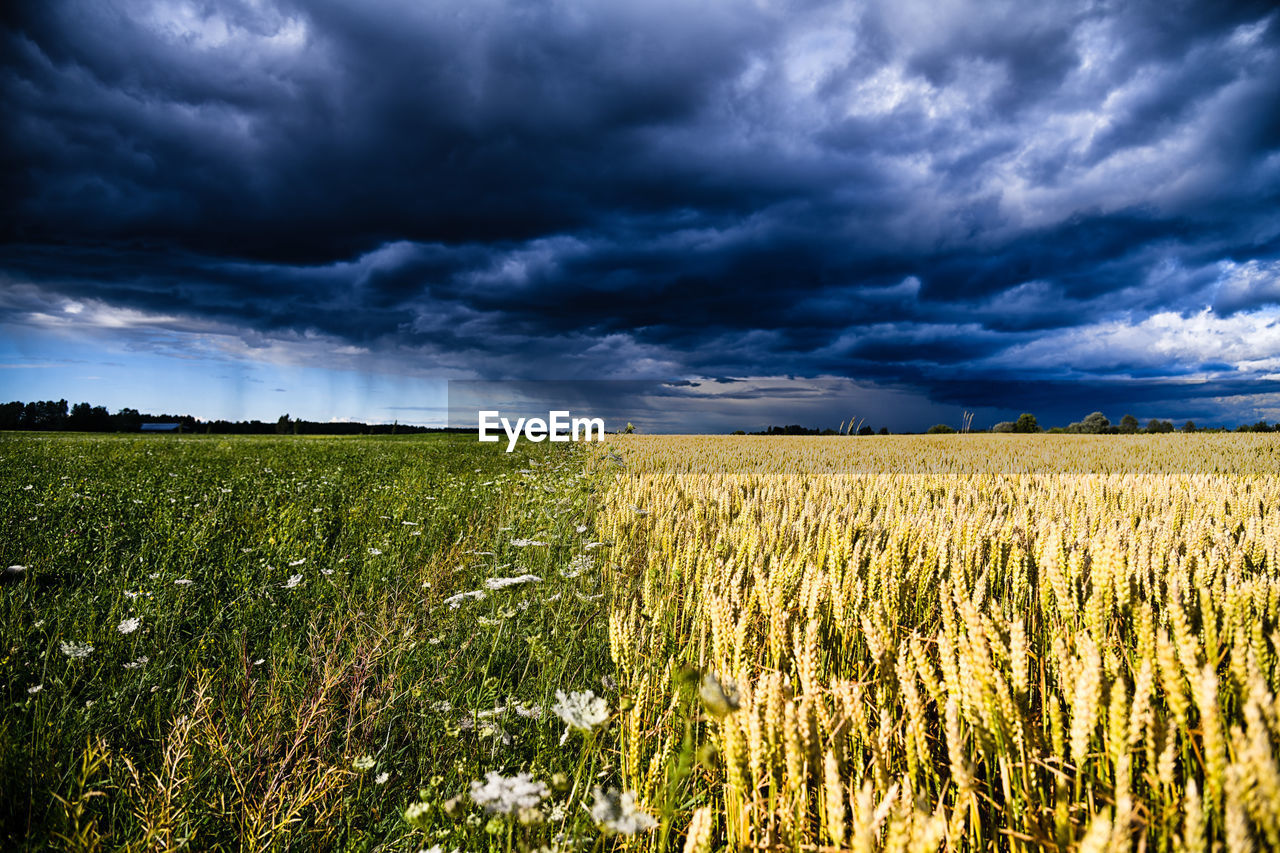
{"points": [[665, 643], [977, 642]]}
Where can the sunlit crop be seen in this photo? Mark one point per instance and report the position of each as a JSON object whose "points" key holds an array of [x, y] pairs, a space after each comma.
{"points": [[963, 643]]}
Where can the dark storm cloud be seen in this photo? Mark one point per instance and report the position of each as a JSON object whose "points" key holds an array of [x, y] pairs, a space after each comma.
{"points": [[913, 193]]}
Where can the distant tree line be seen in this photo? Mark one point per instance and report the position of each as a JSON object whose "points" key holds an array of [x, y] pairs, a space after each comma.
{"points": [[1095, 423], [796, 429], [82, 417]]}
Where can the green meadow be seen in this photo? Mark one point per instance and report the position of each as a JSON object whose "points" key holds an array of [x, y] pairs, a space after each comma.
{"points": [[260, 643]]}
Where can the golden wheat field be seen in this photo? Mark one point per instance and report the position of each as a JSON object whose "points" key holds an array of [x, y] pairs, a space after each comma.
{"points": [[959, 643]]}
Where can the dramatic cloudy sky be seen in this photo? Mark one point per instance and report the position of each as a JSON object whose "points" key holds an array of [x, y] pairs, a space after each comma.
{"points": [[242, 208]]}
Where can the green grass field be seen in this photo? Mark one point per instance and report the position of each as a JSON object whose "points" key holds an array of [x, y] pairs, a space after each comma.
{"points": [[274, 664]]}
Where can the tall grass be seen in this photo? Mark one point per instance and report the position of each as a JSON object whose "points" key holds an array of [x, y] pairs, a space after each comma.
{"points": [[295, 678]]}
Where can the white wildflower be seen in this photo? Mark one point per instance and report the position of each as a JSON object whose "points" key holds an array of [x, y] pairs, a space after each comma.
{"points": [[529, 711], [76, 650], [581, 528], [326, 571], [616, 812], [375, 551], [417, 815], [527, 543], [382, 778], [293, 581], [183, 582], [16, 570], [298, 562], [259, 661], [128, 626], [502, 583], [363, 763], [578, 565], [139, 663], [500, 794], [582, 710], [455, 601], [36, 689]]}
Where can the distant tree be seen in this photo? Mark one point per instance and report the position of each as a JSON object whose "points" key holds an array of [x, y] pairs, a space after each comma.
{"points": [[79, 418], [126, 420], [46, 414], [88, 418], [11, 415], [1157, 425], [1128, 424], [940, 429], [1005, 426], [1057, 430], [883, 431], [1260, 426], [1189, 426], [283, 424], [1026, 423], [1094, 422], [866, 430], [738, 432]]}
